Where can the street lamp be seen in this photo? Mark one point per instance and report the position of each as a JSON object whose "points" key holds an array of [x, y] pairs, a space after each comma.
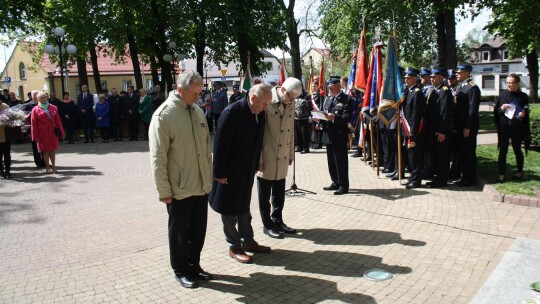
{"points": [[174, 59], [59, 49]]}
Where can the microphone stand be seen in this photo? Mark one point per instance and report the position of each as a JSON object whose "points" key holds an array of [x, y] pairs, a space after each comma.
{"points": [[294, 190]]}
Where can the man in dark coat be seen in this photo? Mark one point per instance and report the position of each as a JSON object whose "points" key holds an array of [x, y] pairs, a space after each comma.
{"points": [[413, 115], [467, 123], [131, 112], [85, 103], [338, 108], [439, 114], [237, 152], [116, 114]]}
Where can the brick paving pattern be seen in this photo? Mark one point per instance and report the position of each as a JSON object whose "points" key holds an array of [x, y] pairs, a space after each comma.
{"points": [[96, 233]]}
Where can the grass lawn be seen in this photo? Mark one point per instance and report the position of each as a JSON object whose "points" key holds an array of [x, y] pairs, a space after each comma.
{"points": [[486, 120], [488, 170]]}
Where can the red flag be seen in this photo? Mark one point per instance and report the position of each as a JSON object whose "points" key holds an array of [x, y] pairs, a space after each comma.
{"points": [[362, 67], [321, 79], [282, 72]]}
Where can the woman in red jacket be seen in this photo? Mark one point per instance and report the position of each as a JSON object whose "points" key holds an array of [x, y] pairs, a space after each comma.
{"points": [[44, 121]]}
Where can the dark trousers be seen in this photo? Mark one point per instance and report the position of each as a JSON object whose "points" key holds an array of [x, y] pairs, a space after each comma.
{"points": [[187, 230], [104, 133], [216, 118], [440, 156], [338, 164], [88, 121], [5, 157], [467, 153], [70, 134], [38, 156], [146, 128], [117, 131], [301, 131], [242, 235], [512, 132], [274, 189], [133, 127], [416, 159], [455, 168], [317, 137], [391, 153]]}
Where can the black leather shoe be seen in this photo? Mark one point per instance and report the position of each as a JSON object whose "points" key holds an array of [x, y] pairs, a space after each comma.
{"points": [[304, 151], [391, 174], [331, 187], [385, 171], [457, 181], [436, 184], [357, 154], [341, 191], [187, 281], [285, 229], [298, 150], [203, 275], [411, 185], [396, 177], [465, 183], [273, 233]]}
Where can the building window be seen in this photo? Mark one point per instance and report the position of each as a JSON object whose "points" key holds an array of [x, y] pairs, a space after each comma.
{"points": [[505, 55], [488, 82], [22, 71], [505, 68], [485, 56], [125, 84]]}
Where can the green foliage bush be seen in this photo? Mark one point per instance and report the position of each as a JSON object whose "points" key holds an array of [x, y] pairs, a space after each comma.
{"points": [[535, 124]]}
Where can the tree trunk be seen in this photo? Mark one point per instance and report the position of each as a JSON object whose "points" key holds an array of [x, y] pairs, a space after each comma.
{"points": [[450, 37], [294, 37], [441, 38], [532, 66], [81, 71], [154, 71], [200, 44], [134, 54], [95, 67]]}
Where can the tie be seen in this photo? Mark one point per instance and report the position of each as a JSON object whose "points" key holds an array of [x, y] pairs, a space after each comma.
{"points": [[84, 96]]}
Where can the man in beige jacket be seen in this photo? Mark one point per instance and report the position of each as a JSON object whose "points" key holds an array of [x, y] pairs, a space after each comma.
{"points": [[277, 155], [182, 169]]}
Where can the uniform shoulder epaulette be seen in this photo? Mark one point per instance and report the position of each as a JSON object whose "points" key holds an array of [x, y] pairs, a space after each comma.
{"points": [[417, 89], [472, 83], [445, 88]]}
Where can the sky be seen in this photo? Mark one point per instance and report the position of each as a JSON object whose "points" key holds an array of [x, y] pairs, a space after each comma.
{"points": [[462, 28]]}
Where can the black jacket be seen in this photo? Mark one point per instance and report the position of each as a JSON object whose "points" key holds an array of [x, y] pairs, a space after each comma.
{"points": [[414, 109], [336, 132], [467, 106], [440, 110]]}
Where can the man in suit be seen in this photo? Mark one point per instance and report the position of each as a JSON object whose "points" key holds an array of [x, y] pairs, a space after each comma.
{"points": [[467, 123], [413, 110], [131, 112], [277, 156], [439, 113], [85, 103], [337, 108], [116, 114], [237, 152]]}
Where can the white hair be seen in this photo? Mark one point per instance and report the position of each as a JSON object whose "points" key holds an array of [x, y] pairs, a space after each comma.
{"points": [[188, 77], [260, 89], [292, 85], [40, 93], [35, 93]]}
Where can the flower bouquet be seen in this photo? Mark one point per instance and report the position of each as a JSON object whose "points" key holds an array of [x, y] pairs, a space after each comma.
{"points": [[12, 117]]}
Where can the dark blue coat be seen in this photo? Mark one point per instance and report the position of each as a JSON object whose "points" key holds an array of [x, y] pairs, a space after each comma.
{"points": [[103, 112], [237, 151], [337, 132]]}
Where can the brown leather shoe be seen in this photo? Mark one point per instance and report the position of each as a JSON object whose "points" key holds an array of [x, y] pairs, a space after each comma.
{"points": [[240, 256], [256, 248]]}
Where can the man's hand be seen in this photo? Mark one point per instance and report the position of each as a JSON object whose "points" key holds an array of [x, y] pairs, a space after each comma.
{"points": [[290, 162], [222, 181], [466, 133], [261, 167], [521, 114], [441, 137], [315, 119], [166, 200], [84, 111], [330, 116]]}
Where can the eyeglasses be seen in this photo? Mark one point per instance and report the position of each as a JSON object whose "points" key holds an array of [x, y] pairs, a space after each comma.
{"points": [[288, 96], [510, 82]]}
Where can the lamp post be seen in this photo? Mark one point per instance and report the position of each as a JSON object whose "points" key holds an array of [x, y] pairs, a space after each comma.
{"points": [[59, 34], [174, 58]]}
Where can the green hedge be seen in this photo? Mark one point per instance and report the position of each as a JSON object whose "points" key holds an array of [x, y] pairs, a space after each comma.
{"points": [[535, 124]]}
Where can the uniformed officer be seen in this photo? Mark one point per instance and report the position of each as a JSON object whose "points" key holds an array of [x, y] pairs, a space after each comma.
{"points": [[453, 146], [413, 110], [439, 112], [236, 95], [338, 109], [425, 81], [467, 123]]}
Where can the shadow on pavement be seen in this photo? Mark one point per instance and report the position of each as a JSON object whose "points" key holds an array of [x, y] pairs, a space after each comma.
{"points": [[268, 288], [389, 194], [334, 263], [34, 175], [11, 213], [356, 237], [90, 148]]}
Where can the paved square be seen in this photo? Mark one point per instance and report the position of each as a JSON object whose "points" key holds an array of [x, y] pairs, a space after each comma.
{"points": [[96, 233]]}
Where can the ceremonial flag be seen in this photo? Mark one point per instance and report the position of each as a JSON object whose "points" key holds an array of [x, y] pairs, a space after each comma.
{"points": [[282, 71], [351, 91], [247, 82], [373, 88], [321, 79], [352, 73], [361, 75], [392, 89]]}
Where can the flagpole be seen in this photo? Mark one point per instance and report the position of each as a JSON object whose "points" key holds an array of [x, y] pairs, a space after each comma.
{"points": [[371, 140], [378, 158]]}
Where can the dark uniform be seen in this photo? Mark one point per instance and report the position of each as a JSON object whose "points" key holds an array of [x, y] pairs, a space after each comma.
{"points": [[453, 147], [439, 112], [466, 117], [235, 96], [413, 114], [335, 137]]}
